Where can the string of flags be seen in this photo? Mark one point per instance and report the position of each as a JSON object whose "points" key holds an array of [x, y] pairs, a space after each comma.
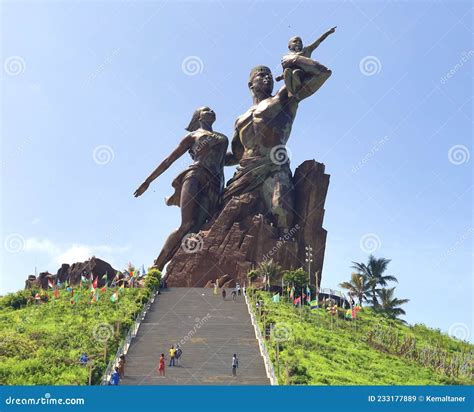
{"points": [[92, 283]]}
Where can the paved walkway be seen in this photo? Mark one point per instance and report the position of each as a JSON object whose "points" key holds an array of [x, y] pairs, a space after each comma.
{"points": [[210, 330]]}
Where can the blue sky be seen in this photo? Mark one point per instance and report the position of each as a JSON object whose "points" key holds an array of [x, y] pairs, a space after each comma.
{"points": [[96, 94]]}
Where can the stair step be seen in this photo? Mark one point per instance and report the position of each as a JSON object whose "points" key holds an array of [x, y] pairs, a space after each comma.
{"points": [[209, 329]]}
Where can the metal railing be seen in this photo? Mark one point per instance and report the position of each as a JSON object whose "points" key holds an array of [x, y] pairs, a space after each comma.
{"points": [[261, 343], [335, 293], [125, 345]]}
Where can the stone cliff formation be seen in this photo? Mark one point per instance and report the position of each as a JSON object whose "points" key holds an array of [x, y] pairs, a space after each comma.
{"points": [[241, 237]]}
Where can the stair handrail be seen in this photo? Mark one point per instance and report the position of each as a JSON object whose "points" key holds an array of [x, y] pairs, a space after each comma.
{"points": [[261, 343], [125, 345]]}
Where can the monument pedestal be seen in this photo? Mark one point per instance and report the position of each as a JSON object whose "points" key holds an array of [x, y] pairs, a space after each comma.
{"points": [[241, 237]]}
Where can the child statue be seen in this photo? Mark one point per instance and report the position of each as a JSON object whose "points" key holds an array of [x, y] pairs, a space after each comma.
{"points": [[298, 61]]}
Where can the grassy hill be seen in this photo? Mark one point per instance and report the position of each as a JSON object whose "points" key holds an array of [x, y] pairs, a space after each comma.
{"points": [[41, 343], [317, 348]]}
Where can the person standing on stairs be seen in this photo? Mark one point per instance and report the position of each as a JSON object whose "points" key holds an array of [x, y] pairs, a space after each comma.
{"points": [[121, 366], [161, 365], [172, 356], [235, 365], [179, 352], [115, 378]]}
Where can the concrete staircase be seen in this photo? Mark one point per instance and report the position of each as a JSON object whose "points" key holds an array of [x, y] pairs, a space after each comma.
{"points": [[209, 329]]}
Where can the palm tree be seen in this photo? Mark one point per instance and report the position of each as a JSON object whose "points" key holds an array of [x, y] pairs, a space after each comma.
{"points": [[269, 270], [389, 304], [373, 273], [356, 287]]}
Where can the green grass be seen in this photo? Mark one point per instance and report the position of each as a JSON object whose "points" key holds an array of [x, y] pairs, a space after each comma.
{"points": [[41, 344], [316, 348]]}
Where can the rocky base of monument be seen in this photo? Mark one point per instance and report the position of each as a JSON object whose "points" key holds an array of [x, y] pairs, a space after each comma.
{"points": [[241, 237], [72, 274]]}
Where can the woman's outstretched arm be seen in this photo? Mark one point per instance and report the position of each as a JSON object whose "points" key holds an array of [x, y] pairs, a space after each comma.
{"points": [[183, 147]]}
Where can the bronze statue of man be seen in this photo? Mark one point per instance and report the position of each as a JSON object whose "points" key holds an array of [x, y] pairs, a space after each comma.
{"points": [[198, 190], [261, 133]]}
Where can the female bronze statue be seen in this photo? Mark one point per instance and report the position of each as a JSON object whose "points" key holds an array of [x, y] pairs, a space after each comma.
{"points": [[198, 190]]}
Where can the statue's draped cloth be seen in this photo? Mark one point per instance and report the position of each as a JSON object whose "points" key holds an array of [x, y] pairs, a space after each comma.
{"points": [[252, 173]]}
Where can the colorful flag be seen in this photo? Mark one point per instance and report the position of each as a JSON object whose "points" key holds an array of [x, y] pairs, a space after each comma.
{"points": [[114, 297], [50, 283], [122, 287], [276, 298], [308, 294], [292, 293], [143, 270], [94, 283], [314, 304], [105, 277], [349, 314], [37, 296], [74, 298], [297, 301], [56, 293]]}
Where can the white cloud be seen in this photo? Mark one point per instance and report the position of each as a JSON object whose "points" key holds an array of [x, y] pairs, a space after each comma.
{"points": [[41, 245], [73, 253]]}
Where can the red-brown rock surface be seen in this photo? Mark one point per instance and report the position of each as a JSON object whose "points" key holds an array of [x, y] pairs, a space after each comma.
{"points": [[72, 273], [241, 237]]}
